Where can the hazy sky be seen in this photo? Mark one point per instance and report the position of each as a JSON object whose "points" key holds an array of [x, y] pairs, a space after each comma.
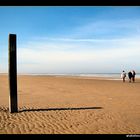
{"points": [[72, 39]]}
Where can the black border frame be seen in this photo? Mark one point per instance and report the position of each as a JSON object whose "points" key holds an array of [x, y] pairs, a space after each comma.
{"points": [[69, 2]]}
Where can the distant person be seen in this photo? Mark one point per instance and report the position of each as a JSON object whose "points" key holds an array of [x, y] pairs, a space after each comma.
{"points": [[133, 75], [123, 75], [130, 76]]}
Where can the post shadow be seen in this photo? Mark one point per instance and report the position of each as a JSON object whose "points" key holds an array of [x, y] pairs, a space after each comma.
{"points": [[60, 109]]}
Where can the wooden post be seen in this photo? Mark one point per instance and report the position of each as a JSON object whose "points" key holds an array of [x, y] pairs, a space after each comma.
{"points": [[13, 104]]}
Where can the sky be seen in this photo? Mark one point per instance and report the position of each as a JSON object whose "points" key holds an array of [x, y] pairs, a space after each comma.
{"points": [[71, 39]]}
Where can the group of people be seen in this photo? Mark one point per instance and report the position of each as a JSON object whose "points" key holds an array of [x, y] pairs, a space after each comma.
{"points": [[131, 75]]}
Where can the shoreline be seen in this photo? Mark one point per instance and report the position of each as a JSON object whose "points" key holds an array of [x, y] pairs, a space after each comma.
{"points": [[74, 76]]}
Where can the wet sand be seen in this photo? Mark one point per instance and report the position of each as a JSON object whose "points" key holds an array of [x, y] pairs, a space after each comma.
{"points": [[71, 105]]}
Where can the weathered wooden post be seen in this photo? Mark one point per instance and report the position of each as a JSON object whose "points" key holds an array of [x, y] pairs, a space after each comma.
{"points": [[13, 104]]}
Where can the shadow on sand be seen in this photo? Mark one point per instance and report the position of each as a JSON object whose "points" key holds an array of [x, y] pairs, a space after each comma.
{"points": [[59, 109]]}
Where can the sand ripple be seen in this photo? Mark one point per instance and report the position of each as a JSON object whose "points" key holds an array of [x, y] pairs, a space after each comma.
{"points": [[32, 121]]}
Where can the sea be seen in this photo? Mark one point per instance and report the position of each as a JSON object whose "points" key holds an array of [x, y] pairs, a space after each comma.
{"points": [[109, 76]]}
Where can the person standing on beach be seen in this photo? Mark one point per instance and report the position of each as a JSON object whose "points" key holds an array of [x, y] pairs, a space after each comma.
{"points": [[133, 75], [130, 76], [123, 75]]}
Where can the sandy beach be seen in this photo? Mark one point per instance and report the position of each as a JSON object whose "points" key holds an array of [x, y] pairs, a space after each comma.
{"points": [[71, 105]]}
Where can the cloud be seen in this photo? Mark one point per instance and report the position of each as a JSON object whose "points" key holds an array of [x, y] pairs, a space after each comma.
{"points": [[60, 55], [107, 28]]}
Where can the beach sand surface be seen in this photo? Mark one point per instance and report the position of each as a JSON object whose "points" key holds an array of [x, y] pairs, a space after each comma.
{"points": [[71, 105]]}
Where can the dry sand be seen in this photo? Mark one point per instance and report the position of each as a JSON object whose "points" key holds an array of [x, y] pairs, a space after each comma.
{"points": [[64, 105]]}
